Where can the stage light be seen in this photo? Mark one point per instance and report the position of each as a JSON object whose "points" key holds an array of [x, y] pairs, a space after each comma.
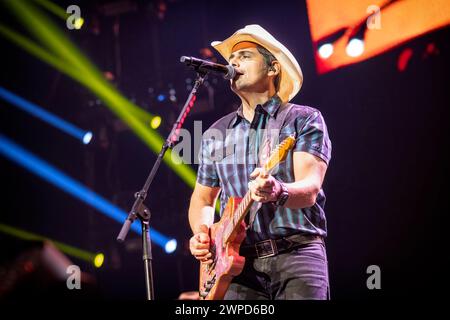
{"points": [[325, 50], [355, 47], [87, 137], [54, 176], [172, 95], [67, 249], [170, 246], [161, 98], [78, 23], [385, 24], [58, 51], [98, 260], [40, 113], [155, 122]]}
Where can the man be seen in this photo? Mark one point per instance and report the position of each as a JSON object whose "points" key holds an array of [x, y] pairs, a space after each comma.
{"points": [[284, 248]]}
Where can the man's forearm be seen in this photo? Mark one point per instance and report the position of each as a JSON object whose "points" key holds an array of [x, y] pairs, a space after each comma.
{"points": [[200, 214], [302, 194]]}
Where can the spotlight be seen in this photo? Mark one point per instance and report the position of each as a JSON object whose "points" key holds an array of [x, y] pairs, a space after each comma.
{"points": [[46, 171], [78, 23], [325, 50], [44, 115], [170, 246], [155, 122], [161, 98], [87, 137], [355, 47], [63, 247], [98, 260]]}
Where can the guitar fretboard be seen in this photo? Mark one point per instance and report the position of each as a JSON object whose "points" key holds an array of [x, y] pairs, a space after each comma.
{"points": [[278, 154]]}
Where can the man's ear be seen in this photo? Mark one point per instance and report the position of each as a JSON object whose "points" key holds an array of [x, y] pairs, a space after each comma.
{"points": [[274, 69]]}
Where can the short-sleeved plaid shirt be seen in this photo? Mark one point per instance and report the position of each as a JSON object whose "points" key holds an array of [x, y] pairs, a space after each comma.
{"points": [[228, 155]]}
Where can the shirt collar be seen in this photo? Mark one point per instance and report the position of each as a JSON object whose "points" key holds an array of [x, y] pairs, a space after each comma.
{"points": [[271, 107]]}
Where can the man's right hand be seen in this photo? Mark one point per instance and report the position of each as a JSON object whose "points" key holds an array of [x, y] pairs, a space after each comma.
{"points": [[199, 245]]}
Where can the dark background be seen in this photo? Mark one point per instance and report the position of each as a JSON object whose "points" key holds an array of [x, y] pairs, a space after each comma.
{"points": [[386, 184]]}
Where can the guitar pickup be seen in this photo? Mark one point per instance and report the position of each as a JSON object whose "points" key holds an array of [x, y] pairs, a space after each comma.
{"points": [[208, 286]]}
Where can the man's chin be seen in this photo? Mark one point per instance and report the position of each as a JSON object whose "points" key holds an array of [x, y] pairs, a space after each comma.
{"points": [[238, 87]]}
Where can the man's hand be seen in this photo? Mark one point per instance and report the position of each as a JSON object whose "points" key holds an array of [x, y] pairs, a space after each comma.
{"points": [[199, 245], [264, 187]]}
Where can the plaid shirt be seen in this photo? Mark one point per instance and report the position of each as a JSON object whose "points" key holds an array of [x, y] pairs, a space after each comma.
{"points": [[229, 153]]}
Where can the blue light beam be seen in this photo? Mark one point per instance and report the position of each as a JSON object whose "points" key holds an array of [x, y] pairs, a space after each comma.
{"points": [[38, 112], [54, 176]]}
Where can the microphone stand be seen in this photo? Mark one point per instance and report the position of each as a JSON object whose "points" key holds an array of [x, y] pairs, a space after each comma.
{"points": [[139, 210]]}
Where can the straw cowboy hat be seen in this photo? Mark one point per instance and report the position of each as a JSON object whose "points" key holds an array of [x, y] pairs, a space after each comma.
{"points": [[291, 75]]}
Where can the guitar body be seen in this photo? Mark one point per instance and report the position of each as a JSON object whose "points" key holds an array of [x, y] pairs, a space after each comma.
{"points": [[227, 263]]}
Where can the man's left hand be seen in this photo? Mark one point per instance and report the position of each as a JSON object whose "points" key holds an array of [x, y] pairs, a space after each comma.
{"points": [[264, 187]]}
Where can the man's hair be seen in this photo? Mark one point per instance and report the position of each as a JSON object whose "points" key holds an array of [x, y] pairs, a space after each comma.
{"points": [[268, 59]]}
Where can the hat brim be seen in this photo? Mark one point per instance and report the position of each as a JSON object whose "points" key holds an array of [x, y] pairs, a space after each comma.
{"points": [[291, 78]]}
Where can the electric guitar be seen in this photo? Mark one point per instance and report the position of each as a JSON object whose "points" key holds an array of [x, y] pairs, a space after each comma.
{"points": [[227, 235]]}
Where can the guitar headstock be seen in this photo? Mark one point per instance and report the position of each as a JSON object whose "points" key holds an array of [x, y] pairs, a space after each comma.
{"points": [[279, 153]]}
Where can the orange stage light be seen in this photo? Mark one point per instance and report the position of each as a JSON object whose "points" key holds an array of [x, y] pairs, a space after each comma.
{"points": [[380, 24]]}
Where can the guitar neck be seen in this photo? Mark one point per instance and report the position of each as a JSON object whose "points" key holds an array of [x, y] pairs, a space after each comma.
{"points": [[276, 156]]}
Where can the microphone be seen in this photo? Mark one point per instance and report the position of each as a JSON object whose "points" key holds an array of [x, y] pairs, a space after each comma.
{"points": [[203, 65]]}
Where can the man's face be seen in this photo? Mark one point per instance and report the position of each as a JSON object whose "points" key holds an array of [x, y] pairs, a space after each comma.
{"points": [[253, 71]]}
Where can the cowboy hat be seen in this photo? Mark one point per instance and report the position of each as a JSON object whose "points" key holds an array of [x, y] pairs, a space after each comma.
{"points": [[291, 78]]}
